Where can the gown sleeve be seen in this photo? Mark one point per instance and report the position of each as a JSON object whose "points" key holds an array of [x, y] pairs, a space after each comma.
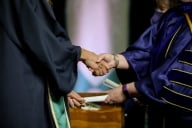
{"points": [[138, 56]]}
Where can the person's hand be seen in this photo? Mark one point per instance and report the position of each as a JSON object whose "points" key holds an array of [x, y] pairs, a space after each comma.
{"points": [[105, 63], [97, 69], [109, 59], [90, 60], [115, 95], [75, 100]]}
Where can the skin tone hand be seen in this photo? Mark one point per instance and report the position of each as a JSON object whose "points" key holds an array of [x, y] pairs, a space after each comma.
{"points": [[108, 58], [75, 100], [102, 68], [90, 60], [110, 61], [116, 95]]}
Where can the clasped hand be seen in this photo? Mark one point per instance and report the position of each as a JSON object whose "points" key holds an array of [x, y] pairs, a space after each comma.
{"points": [[100, 65]]}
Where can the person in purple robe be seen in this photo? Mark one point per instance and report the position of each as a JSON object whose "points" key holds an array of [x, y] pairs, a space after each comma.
{"points": [[161, 61]]}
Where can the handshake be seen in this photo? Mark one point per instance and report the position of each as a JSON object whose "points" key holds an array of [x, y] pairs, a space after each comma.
{"points": [[99, 64]]}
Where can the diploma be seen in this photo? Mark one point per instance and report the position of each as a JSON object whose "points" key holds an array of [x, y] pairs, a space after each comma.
{"points": [[95, 98], [89, 102], [110, 83]]}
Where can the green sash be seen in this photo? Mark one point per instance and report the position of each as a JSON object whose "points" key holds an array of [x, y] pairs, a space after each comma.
{"points": [[58, 110]]}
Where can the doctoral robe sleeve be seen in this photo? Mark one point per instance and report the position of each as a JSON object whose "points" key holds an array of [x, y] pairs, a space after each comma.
{"points": [[138, 56], [32, 26]]}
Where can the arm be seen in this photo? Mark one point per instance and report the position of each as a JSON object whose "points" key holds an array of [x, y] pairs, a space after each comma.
{"points": [[136, 56], [117, 95], [42, 40], [114, 61]]}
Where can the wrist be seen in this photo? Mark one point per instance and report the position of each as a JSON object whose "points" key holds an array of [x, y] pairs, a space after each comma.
{"points": [[83, 57], [125, 91], [116, 59], [85, 54]]}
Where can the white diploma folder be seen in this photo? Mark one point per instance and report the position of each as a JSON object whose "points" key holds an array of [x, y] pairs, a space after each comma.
{"points": [[95, 98]]}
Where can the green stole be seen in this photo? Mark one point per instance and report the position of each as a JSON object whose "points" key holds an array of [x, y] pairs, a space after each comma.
{"points": [[59, 111]]}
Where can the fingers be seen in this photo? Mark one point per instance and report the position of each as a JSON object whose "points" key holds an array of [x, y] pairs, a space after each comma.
{"points": [[101, 57], [115, 95], [78, 103], [105, 65], [73, 103], [75, 100], [103, 68], [100, 71], [99, 65], [97, 69], [110, 100]]}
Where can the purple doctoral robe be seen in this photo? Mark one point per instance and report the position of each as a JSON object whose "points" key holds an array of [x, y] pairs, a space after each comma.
{"points": [[162, 61]]}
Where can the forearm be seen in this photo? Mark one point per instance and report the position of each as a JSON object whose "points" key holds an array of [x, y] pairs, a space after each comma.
{"points": [[85, 55], [120, 62], [133, 92]]}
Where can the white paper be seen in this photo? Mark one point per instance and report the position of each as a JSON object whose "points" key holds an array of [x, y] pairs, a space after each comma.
{"points": [[110, 83], [90, 108], [95, 98]]}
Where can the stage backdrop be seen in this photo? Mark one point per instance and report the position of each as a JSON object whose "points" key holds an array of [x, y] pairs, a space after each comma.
{"points": [[100, 26]]}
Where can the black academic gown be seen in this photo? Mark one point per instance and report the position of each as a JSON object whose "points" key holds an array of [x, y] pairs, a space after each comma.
{"points": [[35, 54]]}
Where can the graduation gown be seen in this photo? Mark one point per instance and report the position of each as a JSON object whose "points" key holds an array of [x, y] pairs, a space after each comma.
{"points": [[38, 65], [161, 60]]}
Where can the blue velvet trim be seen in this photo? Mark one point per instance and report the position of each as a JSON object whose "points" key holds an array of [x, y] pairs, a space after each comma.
{"points": [[180, 77], [177, 99], [164, 36], [180, 93], [159, 49], [186, 57]]}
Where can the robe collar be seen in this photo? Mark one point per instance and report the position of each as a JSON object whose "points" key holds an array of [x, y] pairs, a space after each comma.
{"points": [[178, 14]]}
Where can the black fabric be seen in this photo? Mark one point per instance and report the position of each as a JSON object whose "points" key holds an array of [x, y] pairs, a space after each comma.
{"points": [[134, 112], [141, 12], [59, 7], [34, 50]]}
